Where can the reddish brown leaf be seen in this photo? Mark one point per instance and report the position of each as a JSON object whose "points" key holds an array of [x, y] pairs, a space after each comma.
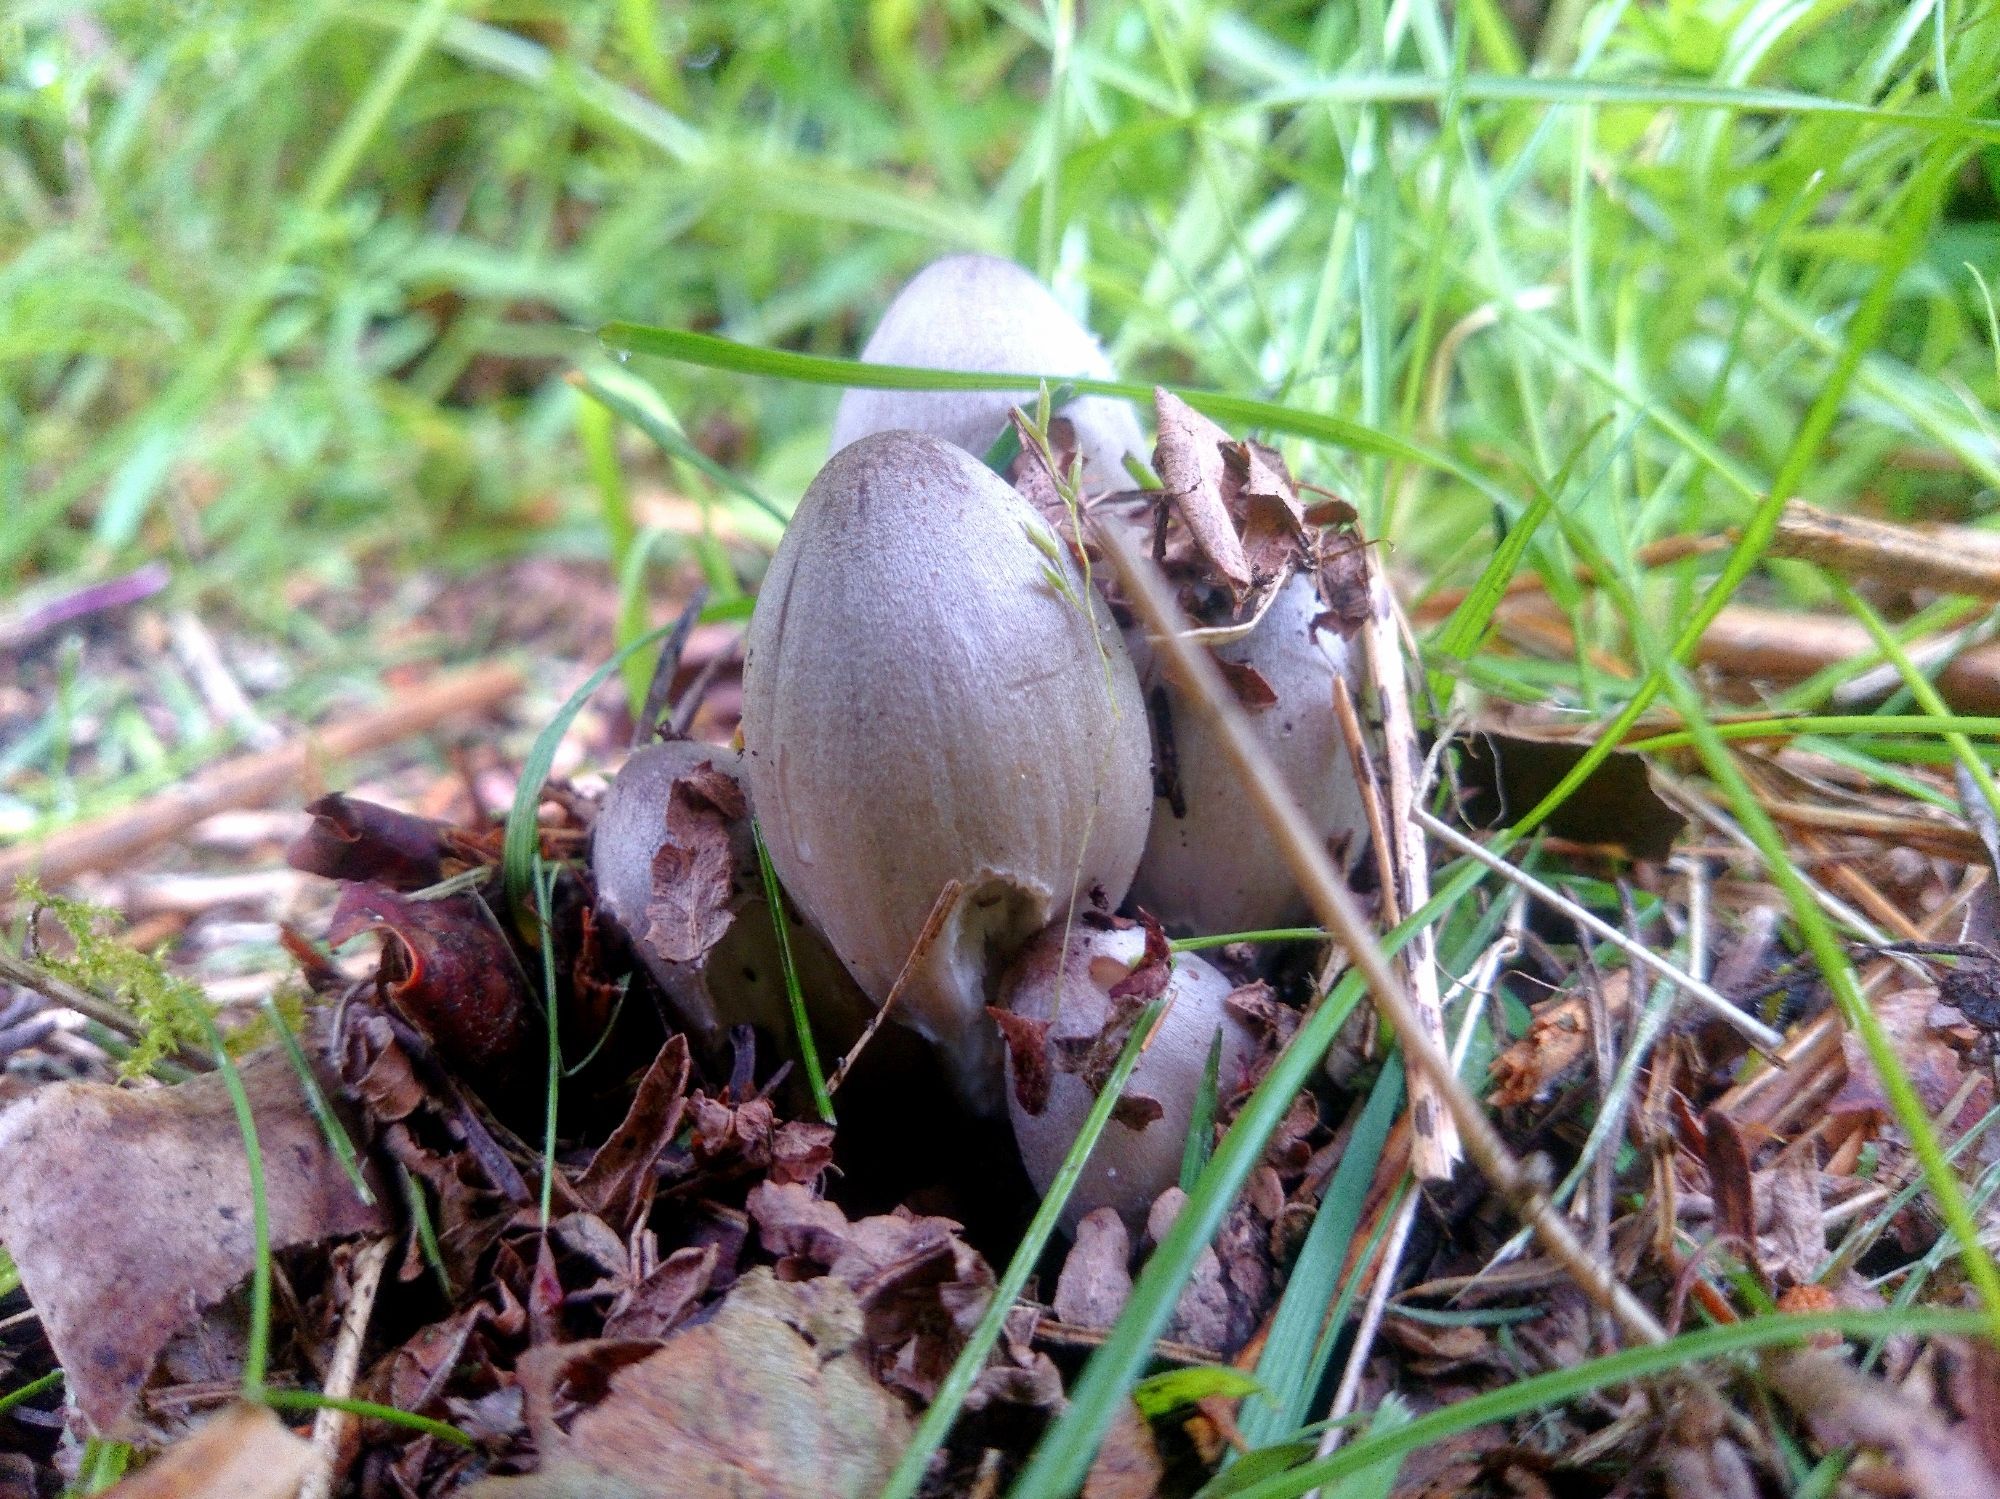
{"points": [[1128, 1463], [663, 1300], [351, 839], [1247, 685], [1027, 1044], [451, 973]]}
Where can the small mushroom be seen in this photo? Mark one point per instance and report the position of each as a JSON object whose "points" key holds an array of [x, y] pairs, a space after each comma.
{"points": [[981, 313], [1213, 867], [1064, 978], [737, 979], [932, 694]]}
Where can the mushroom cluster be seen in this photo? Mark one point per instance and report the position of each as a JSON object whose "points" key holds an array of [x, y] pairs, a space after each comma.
{"points": [[962, 769]]}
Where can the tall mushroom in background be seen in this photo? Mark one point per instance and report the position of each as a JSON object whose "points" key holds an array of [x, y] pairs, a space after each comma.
{"points": [[938, 712], [981, 313]]}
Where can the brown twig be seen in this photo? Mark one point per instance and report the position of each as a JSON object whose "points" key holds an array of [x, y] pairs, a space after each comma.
{"points": [[1521, 1189], [330, 1426], [253, 779], [1941, 560]]}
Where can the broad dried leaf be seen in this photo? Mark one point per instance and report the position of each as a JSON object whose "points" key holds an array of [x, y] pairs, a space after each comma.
{"points": [[1189, 461], [1556, 1046], [246, 1453], [663, 1300], [1247, 685], [1511, 769], [127, 1213], [769, 1397]]}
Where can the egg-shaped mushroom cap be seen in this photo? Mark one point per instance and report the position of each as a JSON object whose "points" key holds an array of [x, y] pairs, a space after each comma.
{"points": [[1067, 983], [932, 694], [984, 314], [1216, 868]]}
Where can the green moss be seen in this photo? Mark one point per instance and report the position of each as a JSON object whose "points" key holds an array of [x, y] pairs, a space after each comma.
{"points": [[166, 1006]]}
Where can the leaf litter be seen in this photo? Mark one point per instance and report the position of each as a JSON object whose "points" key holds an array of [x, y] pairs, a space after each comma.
{"points": [[731, 1291]]}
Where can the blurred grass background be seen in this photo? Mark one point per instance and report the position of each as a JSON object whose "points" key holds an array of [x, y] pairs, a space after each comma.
{"points": [[291, 291]]}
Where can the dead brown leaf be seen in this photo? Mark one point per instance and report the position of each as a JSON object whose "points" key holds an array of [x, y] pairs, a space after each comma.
{"points": [[620, 1180], [769, 1397], [694, 870], [246, 1453], [127, 1213], [1128, 1464], [1844, 1407], [448, 969], [1189, 461]]}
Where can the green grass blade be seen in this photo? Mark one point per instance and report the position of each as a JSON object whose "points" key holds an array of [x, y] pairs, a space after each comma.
{"points": [[795, 998]]}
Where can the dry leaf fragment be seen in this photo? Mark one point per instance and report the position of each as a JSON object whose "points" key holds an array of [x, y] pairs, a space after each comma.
{"points": [[127, 1213], [620, 1179], [768, 1398], [246, 1453], [695, 869], [1189, 461], [352, 839], [1845, 1407], [1128, 1464]]}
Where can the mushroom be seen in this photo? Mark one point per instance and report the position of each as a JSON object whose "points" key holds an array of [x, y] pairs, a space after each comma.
{"points": [[1064, 978], [1212, 867], [933, 695], [738, 979], [981, 313]]}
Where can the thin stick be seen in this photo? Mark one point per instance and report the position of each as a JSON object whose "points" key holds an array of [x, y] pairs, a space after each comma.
{"points": [[1944, 560], [330, 1425], [1765, 1038], [1331, 900], [941, 908], [1434, 1144], [251, 780]]}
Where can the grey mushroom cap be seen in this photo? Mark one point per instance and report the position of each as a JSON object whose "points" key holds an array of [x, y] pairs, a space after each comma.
{"points": [[978, 312], [1068, 985], [1216, 868], [740, 981], [932, 693]]}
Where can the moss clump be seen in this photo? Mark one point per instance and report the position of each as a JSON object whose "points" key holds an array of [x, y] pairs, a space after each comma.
{"points": [[169, 1009]]}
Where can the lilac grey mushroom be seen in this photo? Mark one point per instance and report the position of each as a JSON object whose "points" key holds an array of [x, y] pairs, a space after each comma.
{"points": [[984, 314], [739, 981], [1068, 985], [1215, 868], [931, 694]]}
